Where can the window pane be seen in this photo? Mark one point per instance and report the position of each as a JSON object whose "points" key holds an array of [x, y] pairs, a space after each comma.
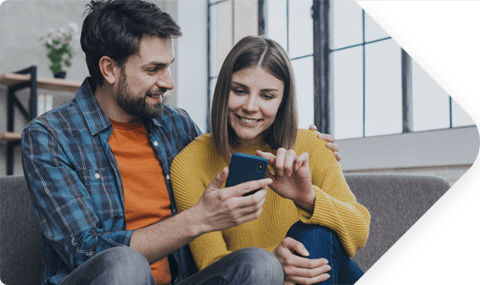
{"points": [[383, 97], [303, 69], [300, 28], [347, 93], [372, 30], [460, 117], [347, 23], [220, 33], [276, 22], [430, 103], [244, 10]]}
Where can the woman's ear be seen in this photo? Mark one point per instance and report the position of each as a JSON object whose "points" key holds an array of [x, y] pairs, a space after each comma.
{"points": [[108, 69]]}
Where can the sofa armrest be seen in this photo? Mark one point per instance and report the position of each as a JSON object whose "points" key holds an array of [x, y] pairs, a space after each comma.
{"points": [[20, 235]]}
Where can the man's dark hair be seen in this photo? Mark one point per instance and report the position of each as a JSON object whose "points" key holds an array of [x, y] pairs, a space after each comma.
{"points": [[114, 28]]}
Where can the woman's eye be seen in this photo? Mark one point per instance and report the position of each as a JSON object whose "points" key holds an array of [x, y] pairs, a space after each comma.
{"points": [[238, 91], [267, 96]]}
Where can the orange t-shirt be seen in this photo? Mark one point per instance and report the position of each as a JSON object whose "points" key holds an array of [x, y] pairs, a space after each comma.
{"points": [[144, 188]]}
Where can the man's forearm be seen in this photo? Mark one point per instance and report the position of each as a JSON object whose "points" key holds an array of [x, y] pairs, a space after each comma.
{"points": [[218, 209], [164, 237]]}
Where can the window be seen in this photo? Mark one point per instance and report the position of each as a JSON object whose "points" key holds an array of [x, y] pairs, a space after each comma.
{"points": [[226, 26], [362, 54], [290, 24], [375, 87], [360, 83]]}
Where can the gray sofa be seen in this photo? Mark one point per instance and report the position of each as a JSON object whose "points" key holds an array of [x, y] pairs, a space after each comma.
{"points": [[395, 203]]}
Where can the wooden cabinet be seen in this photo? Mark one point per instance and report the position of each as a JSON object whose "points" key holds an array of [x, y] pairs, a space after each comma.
{"points": [[26, 78]]}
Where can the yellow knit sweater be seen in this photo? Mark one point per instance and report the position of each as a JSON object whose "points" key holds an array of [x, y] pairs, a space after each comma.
{"points": [[335, 205]]}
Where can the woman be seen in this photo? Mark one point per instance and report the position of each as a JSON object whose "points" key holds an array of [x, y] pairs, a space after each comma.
{"points": [[254, 111]]}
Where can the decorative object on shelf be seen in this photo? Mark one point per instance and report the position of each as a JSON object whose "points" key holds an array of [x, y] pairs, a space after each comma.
{"points": [[61, 74], [59, 48]]}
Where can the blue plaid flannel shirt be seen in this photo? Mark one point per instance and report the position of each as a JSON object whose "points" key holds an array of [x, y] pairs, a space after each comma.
{"points": [[75, 182]]}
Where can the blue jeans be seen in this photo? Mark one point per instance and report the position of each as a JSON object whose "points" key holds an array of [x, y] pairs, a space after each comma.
{"points": [[118, 265], [123, 265], [323, 242], [249, 265]]}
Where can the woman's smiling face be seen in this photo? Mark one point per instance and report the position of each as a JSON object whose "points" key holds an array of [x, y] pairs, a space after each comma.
{"points": [[253, 102]]}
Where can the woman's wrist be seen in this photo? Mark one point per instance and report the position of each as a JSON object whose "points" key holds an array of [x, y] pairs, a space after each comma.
{"points": [[307, 201]]}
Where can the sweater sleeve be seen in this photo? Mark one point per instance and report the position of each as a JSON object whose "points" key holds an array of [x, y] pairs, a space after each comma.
{"points": [[190, 174], [335, 205]]}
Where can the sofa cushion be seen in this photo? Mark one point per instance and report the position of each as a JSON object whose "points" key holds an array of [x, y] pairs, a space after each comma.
{"points": [[395, 203]]}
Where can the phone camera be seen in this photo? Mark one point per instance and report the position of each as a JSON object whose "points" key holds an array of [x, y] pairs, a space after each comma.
{"points": [[260, 167]]}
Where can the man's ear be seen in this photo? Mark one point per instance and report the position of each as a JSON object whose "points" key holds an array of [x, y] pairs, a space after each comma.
{"points": [[109, 69]]}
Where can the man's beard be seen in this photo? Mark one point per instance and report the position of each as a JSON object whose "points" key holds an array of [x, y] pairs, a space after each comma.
{"points": [[137, 106]]}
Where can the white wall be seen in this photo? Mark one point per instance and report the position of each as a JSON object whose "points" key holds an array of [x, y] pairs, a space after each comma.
{"points": [[458, 146], [191, 60], [22, 23], [446, 153]]}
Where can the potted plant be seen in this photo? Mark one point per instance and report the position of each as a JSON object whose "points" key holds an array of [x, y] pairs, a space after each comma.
{"points": [[59, 48]]}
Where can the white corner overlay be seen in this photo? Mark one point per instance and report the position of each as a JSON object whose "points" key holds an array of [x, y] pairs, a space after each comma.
{"points": [[443, 38]]}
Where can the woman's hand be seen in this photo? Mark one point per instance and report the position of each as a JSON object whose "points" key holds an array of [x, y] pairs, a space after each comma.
{"points": [[292, 178], [297, 268]]}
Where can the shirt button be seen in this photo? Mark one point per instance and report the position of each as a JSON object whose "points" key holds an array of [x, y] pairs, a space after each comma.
{"points": [[155, 143], [167, 177], [97, 175]]}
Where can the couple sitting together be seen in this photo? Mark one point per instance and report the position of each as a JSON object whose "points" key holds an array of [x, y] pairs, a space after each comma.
{"points": [[127, 190]]}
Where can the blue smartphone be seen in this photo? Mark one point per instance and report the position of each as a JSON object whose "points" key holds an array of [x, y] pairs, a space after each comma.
{"points": [[245, 167]]}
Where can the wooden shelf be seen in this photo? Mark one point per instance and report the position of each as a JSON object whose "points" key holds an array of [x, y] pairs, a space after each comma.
{"points": [[10, 137], [16, 82], [54, 84]]}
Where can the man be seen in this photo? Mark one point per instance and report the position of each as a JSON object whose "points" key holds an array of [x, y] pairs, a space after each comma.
{"points": [[98, 168]]}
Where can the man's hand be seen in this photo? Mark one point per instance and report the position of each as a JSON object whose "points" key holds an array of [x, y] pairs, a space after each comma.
{"points": [[218, 209], [222, 208], [292, 178], [299, 269], [330, 141]]}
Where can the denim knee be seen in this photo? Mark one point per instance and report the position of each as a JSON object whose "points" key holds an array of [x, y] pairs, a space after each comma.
{"points": [[300, 229], [314, 236], [262, 266], [323, 242], [124, 265]]}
